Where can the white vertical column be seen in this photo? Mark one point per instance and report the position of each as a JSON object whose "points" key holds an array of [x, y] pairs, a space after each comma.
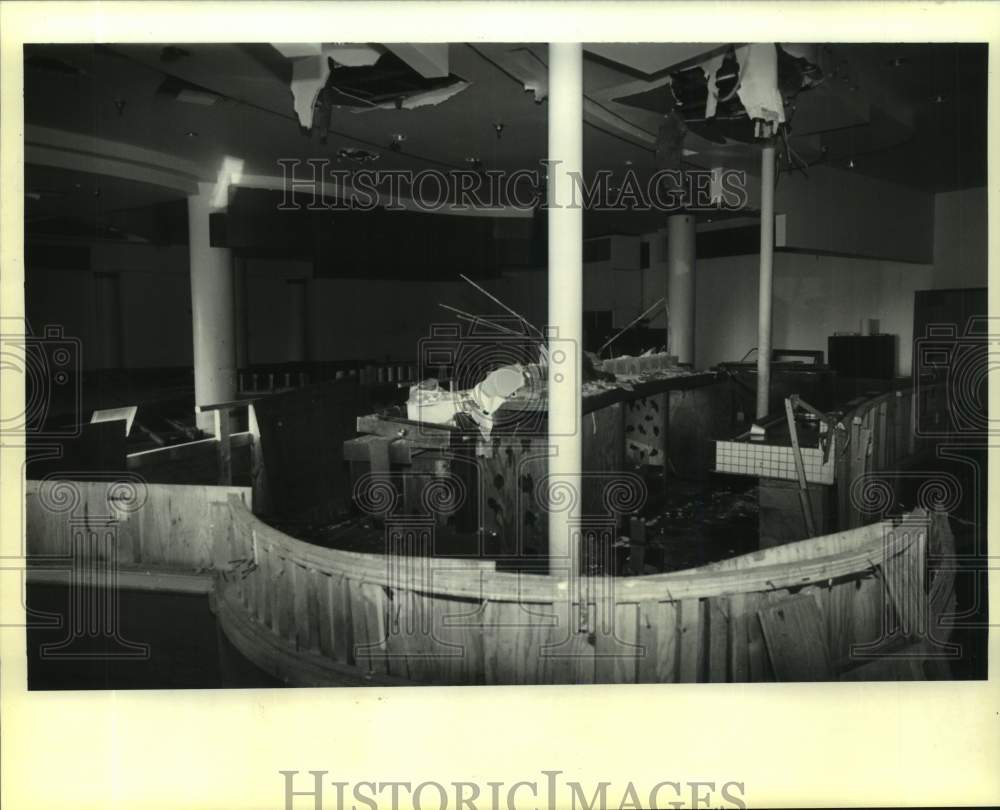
{"points": [[565, 288], [680, 285], [766, 285], [212, 318]]}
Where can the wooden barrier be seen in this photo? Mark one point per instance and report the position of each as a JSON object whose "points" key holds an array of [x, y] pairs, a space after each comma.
{"points": [[819, 609], [142, 526], [880, 436]]}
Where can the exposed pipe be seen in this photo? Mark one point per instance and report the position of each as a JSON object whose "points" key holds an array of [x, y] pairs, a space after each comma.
{"points": [[766, 280]]}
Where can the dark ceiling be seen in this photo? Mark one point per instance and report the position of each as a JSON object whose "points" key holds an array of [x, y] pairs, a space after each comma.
{"points": [[932, 138]]}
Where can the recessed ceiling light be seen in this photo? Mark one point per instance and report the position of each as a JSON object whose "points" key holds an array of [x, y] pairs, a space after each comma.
{"points": [[191, 133], [850, 163], [938, 99], [898, 62], [628, 162]]}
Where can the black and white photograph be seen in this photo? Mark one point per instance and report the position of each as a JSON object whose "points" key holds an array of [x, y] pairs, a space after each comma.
{"points": [[487, 405], [317, 393]]}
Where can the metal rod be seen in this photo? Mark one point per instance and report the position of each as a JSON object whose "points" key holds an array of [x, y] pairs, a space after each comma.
{"points": [[465, 316], [622, 331], [800, 469], [766, 280], [497, 301]]}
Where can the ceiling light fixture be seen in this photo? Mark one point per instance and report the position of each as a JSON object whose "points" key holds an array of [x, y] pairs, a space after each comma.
{"points": [[850, 163], [939, 99], [498, 129], [191, 133]]}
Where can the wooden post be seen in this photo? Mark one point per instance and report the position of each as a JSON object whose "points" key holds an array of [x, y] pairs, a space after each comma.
{"points": [[224, 449]]}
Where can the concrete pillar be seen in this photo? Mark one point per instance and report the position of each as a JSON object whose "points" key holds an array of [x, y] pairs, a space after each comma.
{"points": [[765, 290], [565, 314], [212, 310], [680, 285]]}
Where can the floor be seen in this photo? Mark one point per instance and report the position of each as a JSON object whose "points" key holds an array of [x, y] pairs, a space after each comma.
{"points": [[184, 649]]}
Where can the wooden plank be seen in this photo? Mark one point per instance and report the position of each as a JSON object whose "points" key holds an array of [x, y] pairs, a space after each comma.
{"points": [[513, 639], [567, 656], [759, 663], [223, 448], [717, 613], [413, 639], [658, 637], [301, 588], [459, 623], [419, 433], [691, 646], [904, 578], [323, 587], [262, 593], [616, 653], [342, 619], [258, 469], [881, 433], [359, 449], [838, 609], [285, 593], [739, 654], [796, 639], [868, 617], [369, 612]]}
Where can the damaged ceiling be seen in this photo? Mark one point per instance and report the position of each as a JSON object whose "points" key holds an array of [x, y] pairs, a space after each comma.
{"points": [[914, 114]]}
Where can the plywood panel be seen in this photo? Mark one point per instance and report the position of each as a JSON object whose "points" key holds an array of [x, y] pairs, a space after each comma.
{"points": [[692, 647], [718, 639], [796, 639]]}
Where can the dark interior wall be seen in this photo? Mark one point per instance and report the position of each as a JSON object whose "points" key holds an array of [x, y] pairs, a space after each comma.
{"points": [[847, 212], [153, 296], [961, 232], [355, 318]]}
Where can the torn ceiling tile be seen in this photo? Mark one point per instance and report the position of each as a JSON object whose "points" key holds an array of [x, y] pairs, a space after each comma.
{"points": [[711, 68], [353, 55], [309, 75], [758, 88], [430, 60], [426, 99], [366, 77], [525, 65]]}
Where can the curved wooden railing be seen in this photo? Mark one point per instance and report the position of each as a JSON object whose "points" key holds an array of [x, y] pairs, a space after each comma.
{"points": [[824, 608], [880, 436]]}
